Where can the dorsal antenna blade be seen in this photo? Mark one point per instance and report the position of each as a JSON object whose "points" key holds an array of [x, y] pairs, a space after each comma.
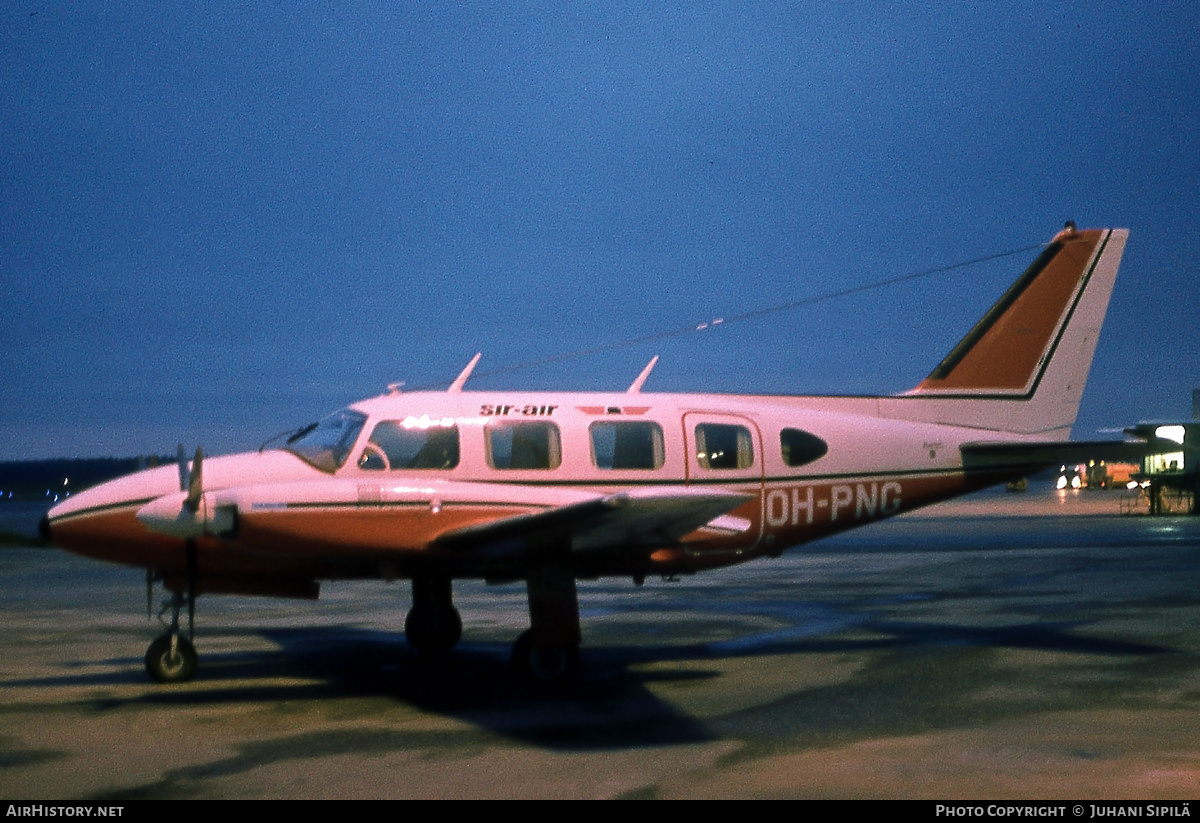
{"points": [[636, 386], [457, 385]]}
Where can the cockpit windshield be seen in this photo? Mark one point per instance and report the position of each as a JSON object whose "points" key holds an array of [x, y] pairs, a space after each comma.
{"points": [[325, 445]]}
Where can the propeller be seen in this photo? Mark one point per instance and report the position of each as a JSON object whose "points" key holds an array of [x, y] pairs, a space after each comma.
{"points": [[180, 514], [185, 476], [195, 490], [194, 486], [183, 513]]}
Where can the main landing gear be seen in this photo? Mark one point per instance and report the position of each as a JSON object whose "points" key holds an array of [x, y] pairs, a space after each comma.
{"points": [[550, 665], [433, 625], [546, 655]]}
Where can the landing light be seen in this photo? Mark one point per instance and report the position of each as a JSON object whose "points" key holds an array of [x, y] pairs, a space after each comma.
{"points": [[426, 422]]}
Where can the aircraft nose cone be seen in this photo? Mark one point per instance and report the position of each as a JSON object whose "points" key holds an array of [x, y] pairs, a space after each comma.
{"points": [[44, 528]]}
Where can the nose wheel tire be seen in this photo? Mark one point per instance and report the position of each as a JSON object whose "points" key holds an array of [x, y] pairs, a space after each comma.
{"points": [[171, 659]]}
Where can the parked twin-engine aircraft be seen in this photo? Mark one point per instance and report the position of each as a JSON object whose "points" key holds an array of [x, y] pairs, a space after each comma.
{"points": [[549, 487]]}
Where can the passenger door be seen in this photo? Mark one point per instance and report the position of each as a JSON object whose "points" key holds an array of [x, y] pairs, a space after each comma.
{"points": [[726, 450]]}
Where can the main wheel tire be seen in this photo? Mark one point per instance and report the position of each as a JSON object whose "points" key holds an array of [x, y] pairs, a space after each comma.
{"points": [[433, 632], [171, 666], [546, 666]]}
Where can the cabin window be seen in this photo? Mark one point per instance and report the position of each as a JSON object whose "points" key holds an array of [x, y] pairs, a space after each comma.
{"points": [[800, 447], [631, 444], [724, 446], [409, 444], [326, 445], [526, 445]]}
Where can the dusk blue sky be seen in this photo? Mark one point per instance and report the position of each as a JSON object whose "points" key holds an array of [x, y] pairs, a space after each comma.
{"points": [[219, 221]]}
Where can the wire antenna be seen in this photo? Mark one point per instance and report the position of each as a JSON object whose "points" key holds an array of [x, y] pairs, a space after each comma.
{"points": [[737, 318]]}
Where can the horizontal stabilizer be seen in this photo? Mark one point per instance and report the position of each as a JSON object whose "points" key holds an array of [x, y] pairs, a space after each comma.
{"points": [[1033, 457]]}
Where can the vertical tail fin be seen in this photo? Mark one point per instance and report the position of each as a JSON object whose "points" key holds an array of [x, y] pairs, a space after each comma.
{"points": [[1023, 367]]}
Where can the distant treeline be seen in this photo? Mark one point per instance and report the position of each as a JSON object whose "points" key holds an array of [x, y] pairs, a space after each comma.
{"points": [[33, 478]]}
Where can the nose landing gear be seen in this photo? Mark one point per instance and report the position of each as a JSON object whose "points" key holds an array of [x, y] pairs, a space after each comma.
{"points": [[171, 659]]}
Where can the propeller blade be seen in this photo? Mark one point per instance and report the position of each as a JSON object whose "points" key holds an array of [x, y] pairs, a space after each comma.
{"points": [[184, 475], [195, 486]]}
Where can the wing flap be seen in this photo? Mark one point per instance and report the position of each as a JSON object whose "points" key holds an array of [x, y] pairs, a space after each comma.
{"points": [[636, 520]]}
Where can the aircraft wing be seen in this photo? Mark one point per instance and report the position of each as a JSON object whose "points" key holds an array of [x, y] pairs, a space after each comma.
{"points": [[632, 520]]}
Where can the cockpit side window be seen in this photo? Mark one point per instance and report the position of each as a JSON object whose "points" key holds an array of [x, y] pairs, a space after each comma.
{"points": [[724, 446], [800, 447], [525, 445], [633, 444], [403, 445], [326, 445]]}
